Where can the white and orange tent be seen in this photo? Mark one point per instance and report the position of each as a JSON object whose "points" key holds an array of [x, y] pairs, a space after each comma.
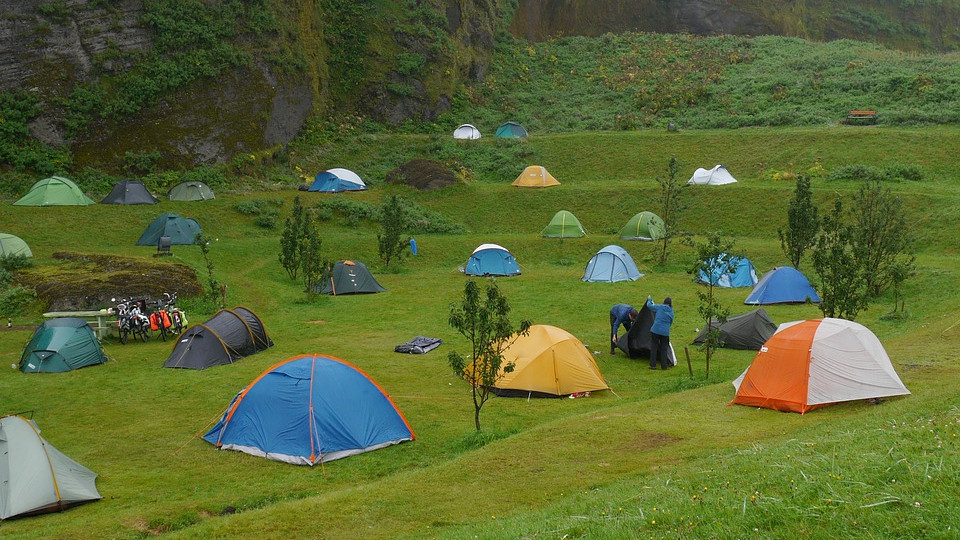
{"points": [[809, 364], [535, 176]]}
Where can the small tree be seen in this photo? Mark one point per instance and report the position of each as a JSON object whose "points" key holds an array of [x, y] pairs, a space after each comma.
{"points": [[486, 324], [843, 290], [803, 223], [713, 258], [213, 285], [390, 243], [311, 265], [668, 202], [881, 238], [291, 240]]}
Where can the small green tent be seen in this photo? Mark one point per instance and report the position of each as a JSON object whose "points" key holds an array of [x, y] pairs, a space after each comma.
{"points": [[350, 277], [510, 130], [644, 226], [563, 225], [54, 191], [181, 230], [190, 191], [13, 245], [61, 344]]}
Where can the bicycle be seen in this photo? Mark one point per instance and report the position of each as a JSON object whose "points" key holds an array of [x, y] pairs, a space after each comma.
{"points": [[160, 320], [139, 323], [178, 317], [123, 319]]}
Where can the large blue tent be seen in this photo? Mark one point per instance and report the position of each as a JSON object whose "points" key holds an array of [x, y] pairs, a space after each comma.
{"points": [[782, 285], [491, 260], [336, 180], [610, 264], [310, 409], [741, 273]]}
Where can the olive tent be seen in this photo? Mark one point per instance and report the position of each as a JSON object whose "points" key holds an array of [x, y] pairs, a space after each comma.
{"points": [[747, 331], [350, 277], [61, 344], [13, 245], [36, 477], [181, 230], [510, 130], [563, 225], [54, 191], [645, 226], [224, 338], [611, 264], [190, 191], [535, 176], [466, 131], [129, 192]]}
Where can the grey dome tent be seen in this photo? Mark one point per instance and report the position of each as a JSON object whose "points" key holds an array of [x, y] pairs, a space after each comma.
{"points": [[224, 338], [61, 344], [181, 230], [190, 191], [747, 331], [636, 342], [350, 277], [129, 192], [13, 245], [36, 477]]}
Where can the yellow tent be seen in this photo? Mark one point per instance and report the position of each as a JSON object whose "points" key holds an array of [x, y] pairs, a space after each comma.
{"points": [[535, 176], [547, 362]]}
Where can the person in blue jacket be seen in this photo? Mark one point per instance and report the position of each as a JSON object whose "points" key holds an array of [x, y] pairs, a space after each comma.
{"points": [[660, 332], [623, 314]]}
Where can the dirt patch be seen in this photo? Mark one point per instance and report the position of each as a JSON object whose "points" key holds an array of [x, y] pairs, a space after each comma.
{"points": [[423, 174], [318, 321], [15, 328], [649, 440]]}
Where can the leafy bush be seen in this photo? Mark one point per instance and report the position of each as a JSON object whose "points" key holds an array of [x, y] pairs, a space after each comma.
{"points": [[255, 207], [13, 300], [418, 219], [13, 262], [864, 173]]}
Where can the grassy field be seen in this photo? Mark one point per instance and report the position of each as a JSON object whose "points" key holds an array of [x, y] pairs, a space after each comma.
{"points": [[659, 456]]}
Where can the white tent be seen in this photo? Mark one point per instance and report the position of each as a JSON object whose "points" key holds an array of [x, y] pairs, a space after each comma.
{"points": [[716, 176], [36, 477], [466, 131]]}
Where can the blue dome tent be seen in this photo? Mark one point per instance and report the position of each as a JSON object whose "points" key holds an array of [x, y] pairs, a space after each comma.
{"points": [[336, 180], [610, 264], [741, 274], [492, 260], [782, 285]]}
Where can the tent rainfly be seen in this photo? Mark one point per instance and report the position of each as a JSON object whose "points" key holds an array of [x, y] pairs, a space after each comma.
{"points": [[54, 191], [224, 338], [466, 131], [13, 245], [645, 226], [739, 273], [636, 343], [492, 260], [535, 176], [61, 344], [747, 331], [129, 192], [190, 191], [337, 180], [350, 277], [563, 225], [782, 285], [182, 231], [716, 176], [510, 130], [611, 264]]}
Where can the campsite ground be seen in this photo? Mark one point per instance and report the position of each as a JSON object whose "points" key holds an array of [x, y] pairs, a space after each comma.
{"points": [[659, 456]]}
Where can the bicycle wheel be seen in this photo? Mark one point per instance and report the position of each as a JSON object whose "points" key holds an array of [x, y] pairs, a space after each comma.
{"points": [[163, 330], [124, 332], [177, 323]]}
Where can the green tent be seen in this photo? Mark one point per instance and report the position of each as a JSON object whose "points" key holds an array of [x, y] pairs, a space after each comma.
{"points": [[644, 226], [61, 344], [13, 245], [190, 191], [510, 130], [54, 191], [350, 277], [563, 225], [181, 230]]}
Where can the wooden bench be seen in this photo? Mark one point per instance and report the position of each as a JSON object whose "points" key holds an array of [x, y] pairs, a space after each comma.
{"points": [[862, 117]]}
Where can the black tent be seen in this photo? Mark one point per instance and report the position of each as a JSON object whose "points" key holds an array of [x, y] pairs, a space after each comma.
{"points": [[350, 277], [224, 338], [748, 331], [636, 342], [129, 192]]}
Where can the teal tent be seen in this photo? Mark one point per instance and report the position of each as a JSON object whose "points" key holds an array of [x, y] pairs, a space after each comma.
{"points": [[510, 130], [54, 191], [61, 344], [181, 231]]}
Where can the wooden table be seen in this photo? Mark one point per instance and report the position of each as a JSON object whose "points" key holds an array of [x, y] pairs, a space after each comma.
{"points": [[101, 321]]}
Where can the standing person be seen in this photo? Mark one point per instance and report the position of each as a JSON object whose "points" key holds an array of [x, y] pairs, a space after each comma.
{"points": [[660, 332], [623, 314]]}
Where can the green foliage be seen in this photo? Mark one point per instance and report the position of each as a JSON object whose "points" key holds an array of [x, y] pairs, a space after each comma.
{"points": [[291, 240], [144, 162], [416, 219], [803, 223], [18, 149], [214, 287], [843, 291], [312, 264], [266, 211], [713, 256], [868, 173], [391, 243], [883, 238], [12, 262], [346, 36], [669, 204], [13, 300]]}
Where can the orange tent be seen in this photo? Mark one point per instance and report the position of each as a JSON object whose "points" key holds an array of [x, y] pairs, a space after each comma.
{"points": [[809, 364], [535, 176]]}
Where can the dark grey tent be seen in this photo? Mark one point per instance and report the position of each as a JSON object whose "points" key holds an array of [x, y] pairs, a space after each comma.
{"points": [[181, 230], [748, 331], [350, 277], [129, 192], [224, 338], [636, 342]]}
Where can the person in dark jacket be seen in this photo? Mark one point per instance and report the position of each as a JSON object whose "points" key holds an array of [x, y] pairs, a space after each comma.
{"points": [[623, 314], [660, 333]]}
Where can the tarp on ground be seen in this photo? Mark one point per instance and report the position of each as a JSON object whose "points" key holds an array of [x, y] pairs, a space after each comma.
{"points": [[181, 230], [129, 192], [61, 344], [54, 191], [747, 331], [224, 338]]}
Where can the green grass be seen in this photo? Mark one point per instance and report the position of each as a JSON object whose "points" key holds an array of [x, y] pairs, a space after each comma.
{"points": [[607, 466]]}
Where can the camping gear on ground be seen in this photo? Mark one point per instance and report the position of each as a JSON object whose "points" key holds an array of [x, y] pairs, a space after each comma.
{"points": [[466, 131], [645, 226], [349, 277], [636, 343], [747, 331], [548, 362], [814, 363], [510, 130], [36, 477], [181, 230], [54, 191], [563, 225], [190, 191], [741, 273], [129, 192], [491, 260], [535, 176], [782, 285], [418, 345], [716, 176], [337, 180], [61, 344], [224, 338], [611, 264], [310, 409], [13, 245]]}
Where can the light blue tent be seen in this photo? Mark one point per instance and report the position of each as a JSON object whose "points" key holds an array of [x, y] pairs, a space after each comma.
{"points": [[741, 274], [336, 180], [310, 409], [610, 264], [782, 285], [492, 260]]}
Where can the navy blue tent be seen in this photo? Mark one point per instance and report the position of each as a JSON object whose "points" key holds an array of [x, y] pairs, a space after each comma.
{"points": [[310, 409], [742, 273], [610, 264], [782, 285], [492, 260]]}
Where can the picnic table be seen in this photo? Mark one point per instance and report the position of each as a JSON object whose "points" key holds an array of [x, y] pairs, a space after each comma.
{"points": [[101, 321]]}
